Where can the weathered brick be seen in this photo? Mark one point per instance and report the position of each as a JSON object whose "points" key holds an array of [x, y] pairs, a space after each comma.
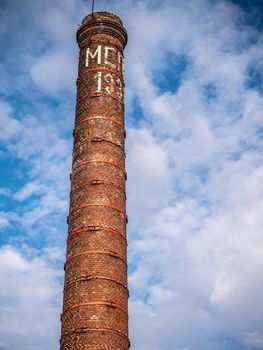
{"points": [[95, 306]]}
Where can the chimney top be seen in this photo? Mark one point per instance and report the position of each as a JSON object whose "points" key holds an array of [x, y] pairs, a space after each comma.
{"points": [[102, 23], [101, 15]]}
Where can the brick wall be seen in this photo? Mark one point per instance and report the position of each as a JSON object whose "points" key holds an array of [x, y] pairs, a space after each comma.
{"points": [[95, 310]]}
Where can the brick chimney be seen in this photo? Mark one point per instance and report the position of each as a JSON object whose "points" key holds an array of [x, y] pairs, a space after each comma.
{"points": [[95, 310]]}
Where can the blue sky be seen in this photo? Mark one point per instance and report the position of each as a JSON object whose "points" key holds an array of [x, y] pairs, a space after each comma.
{"points": [[194, 117]]}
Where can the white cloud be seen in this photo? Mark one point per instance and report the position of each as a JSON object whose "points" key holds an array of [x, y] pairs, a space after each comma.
{"points": [[147, 166], [5, 219], [31, 188], [5, 192], [9, 127], [30, 302], [55, 72], [46, 154], [201, 245], [4, 222]]}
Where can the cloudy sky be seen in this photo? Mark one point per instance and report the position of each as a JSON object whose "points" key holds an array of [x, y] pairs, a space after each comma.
{"points": [[194, 117]]}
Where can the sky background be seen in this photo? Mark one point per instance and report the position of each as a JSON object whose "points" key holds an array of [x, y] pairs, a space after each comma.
{"points": [[194, 119]]}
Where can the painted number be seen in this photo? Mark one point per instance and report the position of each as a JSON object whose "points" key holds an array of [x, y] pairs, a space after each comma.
{"points": [[112, 59]]}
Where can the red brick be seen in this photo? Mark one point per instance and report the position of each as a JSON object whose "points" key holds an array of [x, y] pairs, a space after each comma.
{"points": [[95, 306]]}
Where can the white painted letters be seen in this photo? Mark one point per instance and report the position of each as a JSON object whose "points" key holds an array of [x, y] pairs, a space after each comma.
{"points": [[120, 63], [119, 89], [107, 55], [96, 53], [98, 78], [110, 83], [108, 76]]}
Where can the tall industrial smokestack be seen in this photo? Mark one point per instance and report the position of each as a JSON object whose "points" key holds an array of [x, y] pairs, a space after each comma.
{"points": [[95, 311]]}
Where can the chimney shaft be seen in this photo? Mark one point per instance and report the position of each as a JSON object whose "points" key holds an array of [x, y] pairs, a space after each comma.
{"points": [[95, 310]]}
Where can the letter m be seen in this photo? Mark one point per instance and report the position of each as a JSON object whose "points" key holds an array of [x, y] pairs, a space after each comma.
{"points": [[91, 55]]}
